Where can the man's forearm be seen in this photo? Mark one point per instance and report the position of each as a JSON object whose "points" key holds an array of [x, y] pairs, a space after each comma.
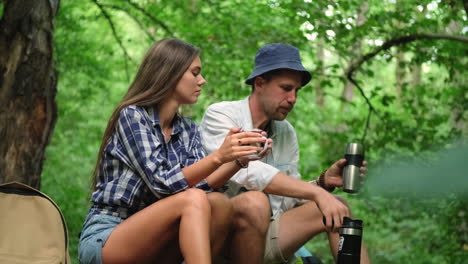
{"points": [[284, 185]]}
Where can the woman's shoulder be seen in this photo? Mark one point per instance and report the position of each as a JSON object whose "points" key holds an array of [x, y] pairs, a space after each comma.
{"points": [[134, 112]]}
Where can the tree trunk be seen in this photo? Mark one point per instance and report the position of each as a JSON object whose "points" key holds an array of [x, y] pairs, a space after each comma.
{"points": [[319, 91], [28, 84], [400, 73], [348, 90], [416, 73]]}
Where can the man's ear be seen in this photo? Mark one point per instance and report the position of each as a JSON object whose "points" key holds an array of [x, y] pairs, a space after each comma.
{"points": [[259, 82]]}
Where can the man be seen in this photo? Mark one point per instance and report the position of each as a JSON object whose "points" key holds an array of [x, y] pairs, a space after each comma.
{"points": [[270, 229]]}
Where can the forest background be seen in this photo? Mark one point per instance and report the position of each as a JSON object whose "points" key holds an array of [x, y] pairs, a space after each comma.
{"points": [[391, 74]]}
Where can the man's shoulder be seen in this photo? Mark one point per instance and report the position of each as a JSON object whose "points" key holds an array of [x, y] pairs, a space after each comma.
{"points": [[225, 107], [225, 104]]}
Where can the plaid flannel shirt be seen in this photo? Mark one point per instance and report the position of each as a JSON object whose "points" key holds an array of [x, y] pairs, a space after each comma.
{"points": [[138, 147]]}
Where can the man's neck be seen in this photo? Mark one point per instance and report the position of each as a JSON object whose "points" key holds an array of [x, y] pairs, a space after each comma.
{"points": [[259, 118]]}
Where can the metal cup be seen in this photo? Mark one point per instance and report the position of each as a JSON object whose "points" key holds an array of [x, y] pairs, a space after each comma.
{"points": [[354, 155], [262, 145]]}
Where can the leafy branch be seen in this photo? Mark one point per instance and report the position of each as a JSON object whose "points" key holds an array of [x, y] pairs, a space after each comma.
{"points": [[129, 14], [153, 18], [385, 46], [396, 42], [116, 36], [102, 8]]}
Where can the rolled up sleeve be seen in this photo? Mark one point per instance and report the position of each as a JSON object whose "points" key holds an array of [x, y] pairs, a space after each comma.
{"points": [[144, 153]]}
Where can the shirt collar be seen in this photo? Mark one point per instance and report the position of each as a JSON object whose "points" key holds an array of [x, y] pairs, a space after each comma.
{"points": [[154, 118], [246, 113]]}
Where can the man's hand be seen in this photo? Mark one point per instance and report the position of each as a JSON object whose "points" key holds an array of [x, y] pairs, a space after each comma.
{"points": [[333, 176], [332, 209]]}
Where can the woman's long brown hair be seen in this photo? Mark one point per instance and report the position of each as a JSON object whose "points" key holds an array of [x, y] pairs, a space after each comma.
{"points": [[163, 66]]}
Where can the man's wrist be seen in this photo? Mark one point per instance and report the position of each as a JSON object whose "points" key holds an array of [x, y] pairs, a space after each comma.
{"points": [[321, 182]]}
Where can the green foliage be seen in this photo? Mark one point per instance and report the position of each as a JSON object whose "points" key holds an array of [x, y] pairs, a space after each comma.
{"points": [[430, 113]]}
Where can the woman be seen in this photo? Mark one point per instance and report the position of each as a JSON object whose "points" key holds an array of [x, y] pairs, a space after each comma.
{"points": [[146, 138]]}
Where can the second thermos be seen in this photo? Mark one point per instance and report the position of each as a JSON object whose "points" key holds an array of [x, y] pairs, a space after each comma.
{"points": [[349, 247]]}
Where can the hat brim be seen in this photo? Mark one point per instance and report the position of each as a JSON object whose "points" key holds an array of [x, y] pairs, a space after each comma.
{"points": [[286, 65]]}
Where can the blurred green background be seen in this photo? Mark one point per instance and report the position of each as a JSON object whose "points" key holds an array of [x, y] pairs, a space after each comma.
{"points": [[418, 93]]}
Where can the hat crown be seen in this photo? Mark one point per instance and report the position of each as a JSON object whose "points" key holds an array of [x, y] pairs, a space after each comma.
{"points": [[278, 56], [276, 53]]}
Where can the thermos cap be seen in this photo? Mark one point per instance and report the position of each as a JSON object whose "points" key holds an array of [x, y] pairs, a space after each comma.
{"points": [[354, 148], [349, 222]]}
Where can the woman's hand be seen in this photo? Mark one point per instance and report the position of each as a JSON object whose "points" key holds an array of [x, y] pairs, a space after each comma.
{"points": [[238, 144]]}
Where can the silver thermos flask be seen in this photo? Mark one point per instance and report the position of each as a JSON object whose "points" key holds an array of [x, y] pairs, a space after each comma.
{"points": [[354, 155]]}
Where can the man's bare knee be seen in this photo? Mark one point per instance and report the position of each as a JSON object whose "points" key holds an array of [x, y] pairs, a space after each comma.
{"points": [[252, 209], [221, 205], [253, 201], [219, 200]]}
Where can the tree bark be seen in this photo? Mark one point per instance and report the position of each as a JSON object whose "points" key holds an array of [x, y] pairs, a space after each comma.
{"points": [[400, 73], [319, 91], [348, 90], [28, 84]]}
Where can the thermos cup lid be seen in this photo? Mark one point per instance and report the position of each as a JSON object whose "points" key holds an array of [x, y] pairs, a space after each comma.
{"points": [[349, 222], [354, 148]]}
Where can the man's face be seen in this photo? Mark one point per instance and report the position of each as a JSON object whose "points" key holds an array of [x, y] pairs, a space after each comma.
{"points": [[278, 96]]}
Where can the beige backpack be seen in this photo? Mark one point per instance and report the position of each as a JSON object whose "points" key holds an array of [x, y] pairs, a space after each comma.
{"points": [[32, 228]]}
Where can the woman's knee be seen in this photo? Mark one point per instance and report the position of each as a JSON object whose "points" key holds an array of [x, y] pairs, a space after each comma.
{"points": [[196, 198]]}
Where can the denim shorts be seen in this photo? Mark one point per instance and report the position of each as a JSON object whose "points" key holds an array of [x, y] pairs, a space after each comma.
{"points": [[96, 230]]}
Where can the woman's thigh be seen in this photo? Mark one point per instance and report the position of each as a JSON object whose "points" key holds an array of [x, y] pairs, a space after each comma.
{"points": [[149, 232]]}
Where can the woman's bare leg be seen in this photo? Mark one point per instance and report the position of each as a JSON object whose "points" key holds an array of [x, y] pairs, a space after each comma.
{"points": [[194, 236], [143, 237]]}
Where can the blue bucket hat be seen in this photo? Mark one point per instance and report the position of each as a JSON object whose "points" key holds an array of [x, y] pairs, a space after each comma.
{"points": [[278, 56]]}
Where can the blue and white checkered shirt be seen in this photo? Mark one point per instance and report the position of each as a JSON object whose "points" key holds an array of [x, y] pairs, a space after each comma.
{"points": [[138, 147]]}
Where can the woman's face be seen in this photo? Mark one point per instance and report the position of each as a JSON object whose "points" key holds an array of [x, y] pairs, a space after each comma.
{"points": [[189, 87]]}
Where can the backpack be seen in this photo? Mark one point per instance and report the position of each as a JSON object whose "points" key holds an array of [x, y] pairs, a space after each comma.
{"points": [[303, 256], [32, 228]]}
